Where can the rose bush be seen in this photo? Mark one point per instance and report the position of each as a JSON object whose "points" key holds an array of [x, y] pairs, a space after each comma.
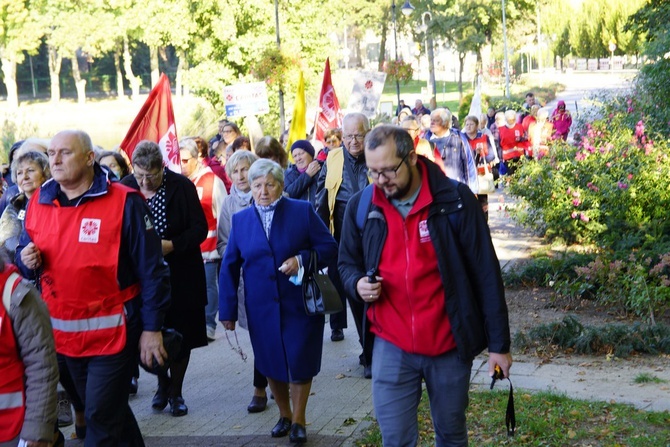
{"points": [[609, 190]]}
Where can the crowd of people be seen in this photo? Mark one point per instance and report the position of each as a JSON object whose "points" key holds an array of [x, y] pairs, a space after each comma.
{"points": [[228, 240]]}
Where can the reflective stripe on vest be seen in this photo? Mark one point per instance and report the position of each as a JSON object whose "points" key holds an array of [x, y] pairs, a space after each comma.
{"points": [[88, 324], [11, 400]]}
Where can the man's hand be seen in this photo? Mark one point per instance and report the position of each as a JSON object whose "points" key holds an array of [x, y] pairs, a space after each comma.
{"points": [[167, 246], [228, 325], [31, 257], [502, 360], [369, 291], [151, 347]]}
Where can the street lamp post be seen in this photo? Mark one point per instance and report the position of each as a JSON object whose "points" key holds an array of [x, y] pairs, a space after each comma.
{"points": [[504, 25], [429, 53], [406, 9]]}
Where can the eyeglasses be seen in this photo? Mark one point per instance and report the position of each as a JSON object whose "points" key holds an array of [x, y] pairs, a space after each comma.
{"points": [[389, 174], [142, 177], [333, 140], [186, 160], [228, 131], [356, 137]]}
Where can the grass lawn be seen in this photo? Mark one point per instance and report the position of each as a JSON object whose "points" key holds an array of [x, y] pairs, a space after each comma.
{"points": [[447, 93], [545, 419]]}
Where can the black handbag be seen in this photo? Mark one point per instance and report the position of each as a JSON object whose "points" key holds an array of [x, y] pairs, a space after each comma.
{"points": [[172, 341], [318, 292]]}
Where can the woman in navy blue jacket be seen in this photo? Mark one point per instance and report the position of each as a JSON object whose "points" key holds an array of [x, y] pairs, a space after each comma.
{"points": [[269, 241]]}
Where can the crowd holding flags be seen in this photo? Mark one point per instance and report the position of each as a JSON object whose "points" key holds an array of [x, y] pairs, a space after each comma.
{"points": [[155, 122]]}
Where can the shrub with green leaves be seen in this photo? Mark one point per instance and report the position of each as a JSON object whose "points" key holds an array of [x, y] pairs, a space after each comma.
{"points": [[611, 190]]}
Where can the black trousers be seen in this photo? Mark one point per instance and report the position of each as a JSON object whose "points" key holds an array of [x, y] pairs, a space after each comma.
{"points": [[102, 383]]}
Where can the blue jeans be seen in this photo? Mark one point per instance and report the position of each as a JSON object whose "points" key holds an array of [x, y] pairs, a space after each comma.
{"points": [[212, 280], [396, 392]]}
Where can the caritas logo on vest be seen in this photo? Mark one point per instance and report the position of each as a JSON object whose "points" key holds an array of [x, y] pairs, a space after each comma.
{"points": [[89, 231]]}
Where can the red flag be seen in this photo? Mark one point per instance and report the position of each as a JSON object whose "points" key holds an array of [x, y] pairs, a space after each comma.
{"points": [[155, 122], [329, 114]]}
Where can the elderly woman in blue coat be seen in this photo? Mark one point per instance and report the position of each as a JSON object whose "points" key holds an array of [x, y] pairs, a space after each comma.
{"points": [[269, 242]]}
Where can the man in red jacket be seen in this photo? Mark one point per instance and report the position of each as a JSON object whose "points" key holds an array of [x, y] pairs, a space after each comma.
{"points": [[424, 264]]}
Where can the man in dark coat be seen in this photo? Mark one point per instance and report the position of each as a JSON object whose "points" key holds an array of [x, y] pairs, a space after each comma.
{"points": [[424, 263]]}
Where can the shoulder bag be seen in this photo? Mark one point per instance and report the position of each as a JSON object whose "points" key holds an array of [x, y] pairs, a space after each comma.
{"points": [[318, 292]]}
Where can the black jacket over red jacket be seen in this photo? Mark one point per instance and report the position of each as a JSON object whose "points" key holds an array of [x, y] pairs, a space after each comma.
{"points": [[468, 265]]}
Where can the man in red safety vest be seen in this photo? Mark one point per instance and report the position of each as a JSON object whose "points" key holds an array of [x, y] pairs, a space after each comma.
{"points": [[92, 244]]}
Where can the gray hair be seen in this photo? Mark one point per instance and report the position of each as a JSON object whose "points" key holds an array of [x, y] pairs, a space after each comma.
{"points": [[38, 158], [358, 117], [381, 134], [147, 155], [190, 145], [263, 167], [237, 158], [444, 115]]}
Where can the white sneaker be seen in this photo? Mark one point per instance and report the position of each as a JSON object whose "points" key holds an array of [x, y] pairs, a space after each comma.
{"points": [[211, 331]]}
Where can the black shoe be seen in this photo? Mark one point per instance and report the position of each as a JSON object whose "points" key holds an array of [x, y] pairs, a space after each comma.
{"points": [[258, 404], [178, 407], [282, 428], [298, 434], [64, 410], [367, 372], [133, 385], [160, 400], [337, 335]]}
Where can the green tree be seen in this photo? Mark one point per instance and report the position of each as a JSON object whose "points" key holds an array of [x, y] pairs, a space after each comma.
{"points": [[20, 30]]}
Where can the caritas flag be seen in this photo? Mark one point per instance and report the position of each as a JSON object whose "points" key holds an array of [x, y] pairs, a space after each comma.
{"points": [[329, 107], [155, 122]]}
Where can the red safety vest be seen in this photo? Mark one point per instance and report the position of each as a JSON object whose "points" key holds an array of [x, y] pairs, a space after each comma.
{"points": [[480, 142], [12, 389], [511, 148], [204, 184], [80, 255]]}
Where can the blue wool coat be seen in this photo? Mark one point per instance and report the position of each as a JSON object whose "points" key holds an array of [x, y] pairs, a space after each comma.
{"points": [[287, 343]]}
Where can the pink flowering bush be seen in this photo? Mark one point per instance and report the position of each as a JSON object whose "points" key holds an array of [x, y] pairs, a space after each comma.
{"points": [[609, 190]]}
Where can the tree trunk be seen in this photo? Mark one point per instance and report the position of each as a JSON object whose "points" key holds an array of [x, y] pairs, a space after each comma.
{"points": [[181, 90], [79, 83], [120, 93], [431, 67], [382, 45], [135, 81], [153, 63], [461, 62], [55, 62], [9, 75]]}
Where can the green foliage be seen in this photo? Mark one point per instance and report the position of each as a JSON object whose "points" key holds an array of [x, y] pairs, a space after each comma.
{"points": [[14, 128], [618, 339], [609, 190], [546, 270], [466, 102], [546, 419], [648, 378], [400, 70]]}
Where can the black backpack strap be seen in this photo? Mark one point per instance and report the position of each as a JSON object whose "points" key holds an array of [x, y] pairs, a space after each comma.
{"points": [[363, 207]]}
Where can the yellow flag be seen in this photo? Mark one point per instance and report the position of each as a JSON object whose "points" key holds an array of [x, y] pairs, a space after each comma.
{"points": [[298, 129]]}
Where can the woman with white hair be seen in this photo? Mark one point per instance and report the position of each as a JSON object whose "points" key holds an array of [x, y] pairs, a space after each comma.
{"points": [[268, 244], [512, 141]]}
